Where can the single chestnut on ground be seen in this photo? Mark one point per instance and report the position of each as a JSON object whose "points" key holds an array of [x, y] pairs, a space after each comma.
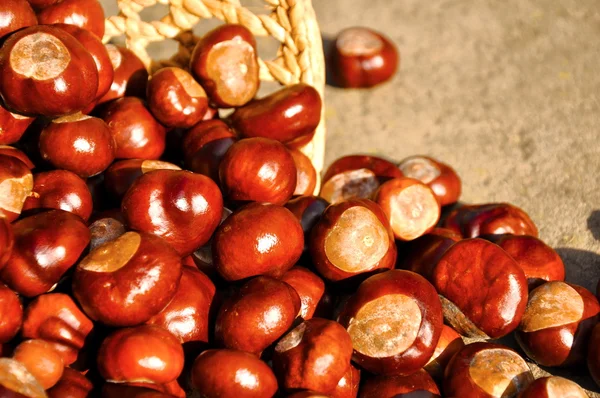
{"points": [[440, 177], [225, 62], [46, 71], [490, 302], [16, 183], [40, 358], [232, 373], [356, 176], [449, 344], [348, 385], [557, 324], [395, 321], [486, 370], [352, 238], [418, 384], [553, 387], [144, 353], [257, 239], [122, 173], [129, 74], [490, 219], [14, 15], [86, 14], [11, 314], [257, 315], [288, 115], [127, 281], [309, 287], [259, 170], [306, 175], [308, 210], [411, 207], [16, 381], [593, 356], [362, 57], [12, 125], [72, 384]]}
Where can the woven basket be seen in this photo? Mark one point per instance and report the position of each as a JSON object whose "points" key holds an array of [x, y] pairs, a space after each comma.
{"points": [[291, 22]]}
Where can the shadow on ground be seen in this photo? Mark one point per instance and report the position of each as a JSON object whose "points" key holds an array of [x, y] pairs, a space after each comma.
{"points": [[593, 223]]}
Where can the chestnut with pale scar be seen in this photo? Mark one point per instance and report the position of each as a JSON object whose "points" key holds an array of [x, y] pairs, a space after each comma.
{"points": [[15, 378], [113, 255], [552, 305], [358, 41], [420, 168], [499, 372], [360, 183], [40, 56]]}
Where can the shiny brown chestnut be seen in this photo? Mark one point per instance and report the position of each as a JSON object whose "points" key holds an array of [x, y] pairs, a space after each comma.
{"points": [[422, 254], [257, 239], [16, 153], [14, 15], [121, 174], [175, 98], [172, 389], [449, 344], [225, 62], [56, 319], [106, 226], [259, 170], [356, 176], [182, 207], [51, 63], [490, 219], [72, 384], [557, 324], [287, 115], [411, 207], [129, 74], [257, 315], [60, 189], [352, 238], [11, 314], [16, 183], [348, 385], [232, 373], [12, 125], [486, 370], [362, 57], [46, 245], [86, 14], [7, 241], [553, 387], [127, 281], [40, 4], [593, 356], [133, 390], [440, 177], [397, 386], [309, 287], [44, 363], [306, 175], [308, 210], [144, 353], [491, 301], [17, 382], [314, 355]]}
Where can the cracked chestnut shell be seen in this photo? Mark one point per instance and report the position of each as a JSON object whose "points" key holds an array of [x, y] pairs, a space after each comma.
{"points": [[12, 126], [419, 383], [86, 14], [16, 183], [440, 177], [129, 74], [490, 219], [11, 311]]}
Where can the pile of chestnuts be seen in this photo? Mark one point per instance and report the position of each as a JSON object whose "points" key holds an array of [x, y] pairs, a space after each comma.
{"points": [[150, 248]]}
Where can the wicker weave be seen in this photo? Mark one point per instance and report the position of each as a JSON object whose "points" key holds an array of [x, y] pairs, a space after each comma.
{"points": [[291, 22]]}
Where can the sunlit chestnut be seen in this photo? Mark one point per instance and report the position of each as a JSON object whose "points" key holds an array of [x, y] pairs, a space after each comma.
{"points": [[7, 241], [51, 63], [16, 381], [130, 74], [287, 115], [442, 179], [362, 57], [449, 344], [60, 189], [257, 315], [593, 356], [128, 280], [258, 169], [11, 314], [557, 324], [72, 384], [144, 353], [352, 238], [356, 176], [121, 174], [486, 370], [491, 301], [306, 175], [553, 387], [16, 153], [490, 219], [395, 321], [422, 254], [106, 226], [309, 287], [410, 205], [308, 210], [418, 384], [14, 15], [12, 125], [258, 239], [44, 363], [232, 373], [225, 62], [16, 183], [56, 319], [47, 244], [86, 14], [348, 385], [314, 355]]}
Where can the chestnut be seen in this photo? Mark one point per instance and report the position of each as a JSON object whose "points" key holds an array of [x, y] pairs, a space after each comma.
{"points": [[86, 14], [16, 381], [11, 314], [137, 134], [127, 281], [307, 394], [12, 125], [593, 356], [232, 373], [187, 315], [175, 98], [306, 175], [257, 239], [133, 390], [51, 63], [308, 210], [553, 387], [16, 183], [44, 363], [309, 287], [287, 115], [14, 15], [7, 241], [225, 62], [130, 76], [420, 384], [258, 169], [107, 227], [449, 344], [410, 205], [72, 384], [490, 219], [395, 322], [486, 370], [182, 207], [356, 176], [348, 385], [46, 245], [121, 174], [258, 314], [362, 57], [40, 4], [440, 177], [56, 319], [352, 238], [314, 355], [557, 324], [144, 353], [18, 154], [60, 189], [422, 254]]}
